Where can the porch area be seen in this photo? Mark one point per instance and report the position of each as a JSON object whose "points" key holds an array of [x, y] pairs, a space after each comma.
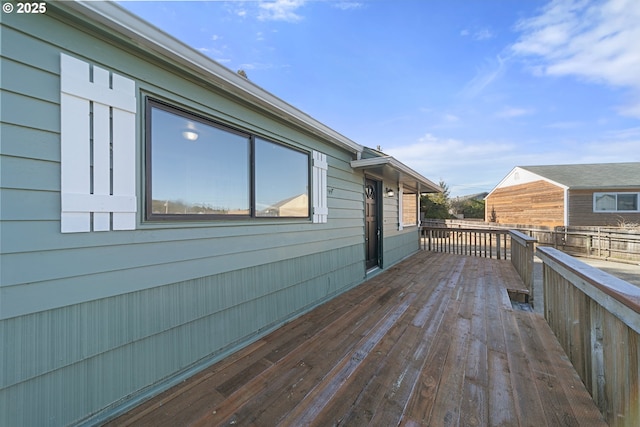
{"points": [[434, 340]]}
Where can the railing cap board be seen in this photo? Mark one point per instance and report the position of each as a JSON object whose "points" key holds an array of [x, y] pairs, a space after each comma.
{"points": [[521, 237], [620, 290], [466, 230]]}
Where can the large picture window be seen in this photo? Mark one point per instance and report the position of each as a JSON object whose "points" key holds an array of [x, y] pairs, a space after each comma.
{"points": [[615, 202], [198, 169]]}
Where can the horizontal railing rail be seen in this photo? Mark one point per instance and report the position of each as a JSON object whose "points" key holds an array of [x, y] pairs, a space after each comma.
{"points": [[596, 318]]}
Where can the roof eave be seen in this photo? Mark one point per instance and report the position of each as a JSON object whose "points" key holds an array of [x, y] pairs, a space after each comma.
{"points": [[401, 168]]}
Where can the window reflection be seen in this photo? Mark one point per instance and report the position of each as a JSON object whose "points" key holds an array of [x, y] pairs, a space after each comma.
{"points": [[282, 180], [197, 168], [605, 202], [612, 202], [409, 209], [627, 202]]}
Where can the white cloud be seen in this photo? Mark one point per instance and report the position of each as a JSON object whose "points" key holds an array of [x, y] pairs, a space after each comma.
{"points": [[511, 112], [483, 34], [595, 41], [466, 167], [348, 5], [479, 35], [280, 10], [474, 166], [492, 70], [565, 125]]}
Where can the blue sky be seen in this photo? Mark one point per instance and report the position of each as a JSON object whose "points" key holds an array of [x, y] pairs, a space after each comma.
{"points": [[459, 90]]}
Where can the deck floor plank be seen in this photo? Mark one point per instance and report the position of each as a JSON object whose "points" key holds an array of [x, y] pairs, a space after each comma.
{"points": [[431, 341]]}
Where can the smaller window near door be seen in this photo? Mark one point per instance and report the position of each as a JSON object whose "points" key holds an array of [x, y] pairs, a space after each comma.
{"points": [[409, 209], [615, 202]]}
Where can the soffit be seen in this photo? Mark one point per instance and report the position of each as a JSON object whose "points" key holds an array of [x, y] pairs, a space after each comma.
{"points": [[392, 170]]}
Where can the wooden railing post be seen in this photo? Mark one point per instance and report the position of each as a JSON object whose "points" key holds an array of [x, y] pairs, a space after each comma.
{"points": [[522, 248]]}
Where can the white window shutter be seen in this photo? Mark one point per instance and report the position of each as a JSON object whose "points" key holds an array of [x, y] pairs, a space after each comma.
{"points": [[400, 215], [319, 177], [98, 180]]}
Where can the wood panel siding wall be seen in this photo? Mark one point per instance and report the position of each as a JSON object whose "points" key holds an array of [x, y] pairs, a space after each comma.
{"points": [[581, 210], [534, 203], [93, 319]]}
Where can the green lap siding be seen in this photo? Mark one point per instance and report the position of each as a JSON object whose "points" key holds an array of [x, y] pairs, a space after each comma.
{"points": [[81, 358], [400, 246]]}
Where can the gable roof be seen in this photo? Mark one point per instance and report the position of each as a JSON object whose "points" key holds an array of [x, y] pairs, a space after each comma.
{"points": [[591, 176]]}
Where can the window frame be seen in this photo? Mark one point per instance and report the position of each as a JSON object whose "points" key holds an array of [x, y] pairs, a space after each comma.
{"points": [[149, 216], [615, 194]]}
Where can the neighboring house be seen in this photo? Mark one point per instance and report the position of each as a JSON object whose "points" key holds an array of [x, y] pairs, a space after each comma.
{"points": [[159, 212], [605, 194]]}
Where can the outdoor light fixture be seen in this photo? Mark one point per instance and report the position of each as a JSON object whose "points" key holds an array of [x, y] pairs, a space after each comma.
{"points": [[389, 192], [190, 132]]}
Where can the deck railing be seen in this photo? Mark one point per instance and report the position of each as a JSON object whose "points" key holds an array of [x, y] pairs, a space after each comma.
{"points": [[522, 251], [485, 242], [467, 241], [596, 318], [614, 243]]}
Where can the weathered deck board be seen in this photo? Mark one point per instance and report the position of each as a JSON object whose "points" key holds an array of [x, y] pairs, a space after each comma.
{"points": [[432, 341]]}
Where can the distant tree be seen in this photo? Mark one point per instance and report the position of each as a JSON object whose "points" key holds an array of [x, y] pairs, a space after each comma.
{"points": [[493, 217], [436, 205], [473, 209]]}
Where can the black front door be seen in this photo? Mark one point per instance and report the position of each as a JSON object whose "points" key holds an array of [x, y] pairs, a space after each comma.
{"points": [[372, 232]]}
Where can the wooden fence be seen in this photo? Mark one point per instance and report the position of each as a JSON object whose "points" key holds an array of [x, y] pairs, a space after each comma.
{"points": [[596, 318]]}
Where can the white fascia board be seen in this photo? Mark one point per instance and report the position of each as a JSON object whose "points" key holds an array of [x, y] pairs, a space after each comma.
{"points": [[153, 39], [397, 166], [519, 176]]}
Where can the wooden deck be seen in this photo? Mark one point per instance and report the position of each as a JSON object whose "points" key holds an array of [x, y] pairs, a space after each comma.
{"points": [[432, 341]]}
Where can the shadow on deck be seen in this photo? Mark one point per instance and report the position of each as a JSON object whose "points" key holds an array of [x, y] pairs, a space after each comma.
{"points": [[432, 341]]}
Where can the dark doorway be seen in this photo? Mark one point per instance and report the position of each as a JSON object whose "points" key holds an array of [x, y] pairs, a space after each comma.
{"points": [[372, 230]]}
